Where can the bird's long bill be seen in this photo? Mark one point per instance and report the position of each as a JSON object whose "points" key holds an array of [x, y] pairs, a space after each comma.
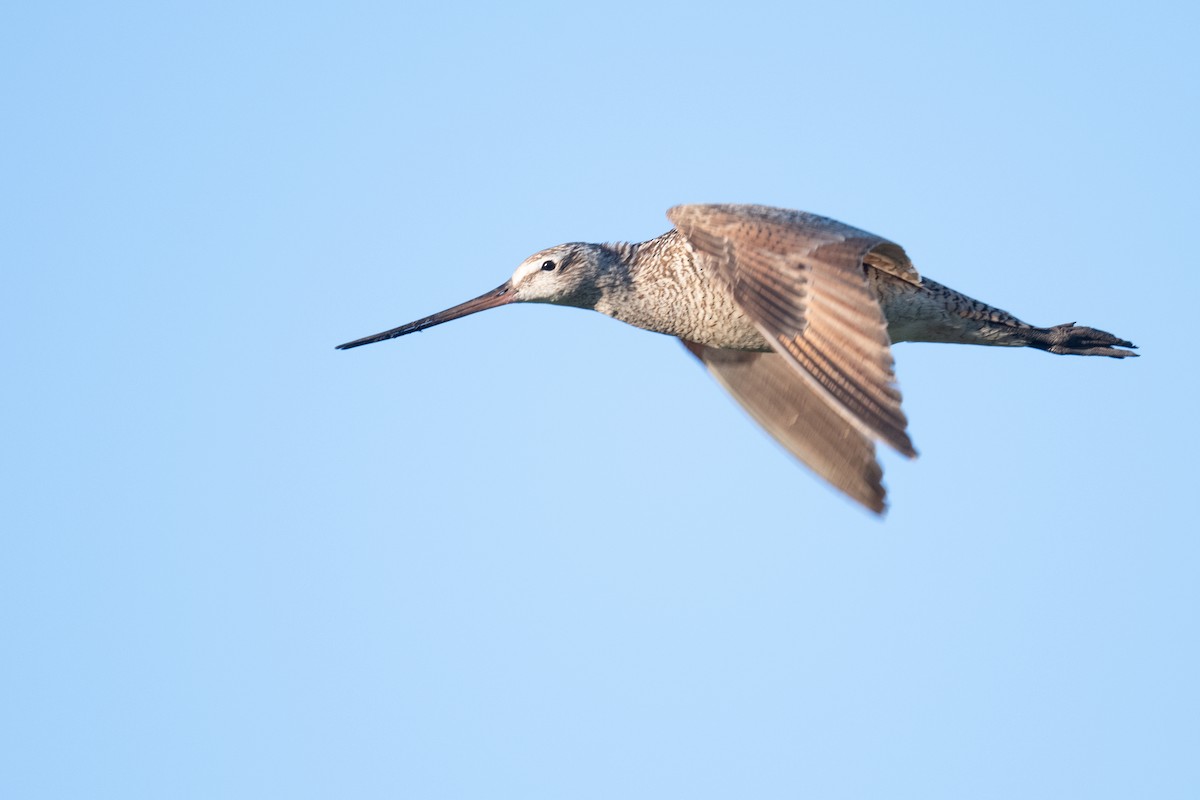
{"points": [[499, 296]]}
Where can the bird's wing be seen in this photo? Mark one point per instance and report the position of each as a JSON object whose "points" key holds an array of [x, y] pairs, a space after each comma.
{"points": [[792, 410], [800, 279]]}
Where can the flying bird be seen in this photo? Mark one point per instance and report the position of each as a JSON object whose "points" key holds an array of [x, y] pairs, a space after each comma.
{"points": [[793, 313]]}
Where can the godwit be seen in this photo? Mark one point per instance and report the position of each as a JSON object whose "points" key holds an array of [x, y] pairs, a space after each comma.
{"points": [[794, 314]]}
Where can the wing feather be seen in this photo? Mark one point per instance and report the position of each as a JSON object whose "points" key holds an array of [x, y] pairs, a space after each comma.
{"points": [[790, 409], [802, 280]]}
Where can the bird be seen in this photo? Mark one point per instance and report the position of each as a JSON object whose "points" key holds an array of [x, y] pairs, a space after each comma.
{"points": [[795, 314]]}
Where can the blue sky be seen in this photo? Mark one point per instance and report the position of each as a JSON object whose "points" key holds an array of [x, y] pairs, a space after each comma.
{"points": [[536, 553]]}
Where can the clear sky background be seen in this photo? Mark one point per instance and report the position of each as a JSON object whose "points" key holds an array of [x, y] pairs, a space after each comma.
{"points": [[536, 553]]}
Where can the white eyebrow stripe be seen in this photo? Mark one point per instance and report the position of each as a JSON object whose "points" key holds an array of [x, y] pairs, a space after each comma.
{"points": [[525, 269]]}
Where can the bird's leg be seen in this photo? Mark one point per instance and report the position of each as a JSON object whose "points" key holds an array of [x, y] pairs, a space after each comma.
{"points": [[932, 312]]}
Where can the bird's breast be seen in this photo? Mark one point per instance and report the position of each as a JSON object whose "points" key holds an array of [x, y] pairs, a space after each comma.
{"points": [[682, 301]]}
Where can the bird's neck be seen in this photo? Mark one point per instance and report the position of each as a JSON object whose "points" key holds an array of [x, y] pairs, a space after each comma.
{"points": [[645, 279], [653, 259]]}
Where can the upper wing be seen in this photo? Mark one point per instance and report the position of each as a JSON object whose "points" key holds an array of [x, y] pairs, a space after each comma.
{"points": [[792, 410], [800, 279]]}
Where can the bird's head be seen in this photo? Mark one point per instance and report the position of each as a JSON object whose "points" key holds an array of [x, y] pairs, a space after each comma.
{"points": [[567, 275]]}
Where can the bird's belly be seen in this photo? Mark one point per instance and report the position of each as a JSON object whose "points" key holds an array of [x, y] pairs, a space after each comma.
{"points": [[735, 332]]}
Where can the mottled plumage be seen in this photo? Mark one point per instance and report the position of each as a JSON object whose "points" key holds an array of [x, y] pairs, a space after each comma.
{"points": [[793, 313]]}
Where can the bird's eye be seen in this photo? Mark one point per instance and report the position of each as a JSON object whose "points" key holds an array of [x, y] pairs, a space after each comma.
{"points": [[547, 265]]}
